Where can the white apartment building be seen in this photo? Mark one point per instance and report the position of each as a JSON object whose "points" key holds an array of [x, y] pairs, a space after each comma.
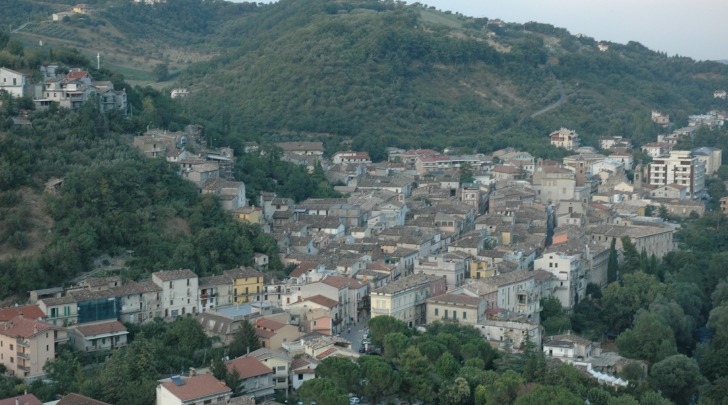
{"points": [[570, 281], [179, 291], [680, 167], [13, 82]]}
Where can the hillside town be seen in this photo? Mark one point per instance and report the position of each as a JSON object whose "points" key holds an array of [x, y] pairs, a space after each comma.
{"points": [[425, 236]]}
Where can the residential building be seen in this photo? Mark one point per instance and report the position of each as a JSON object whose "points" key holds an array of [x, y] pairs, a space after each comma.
{"points": [[247, 284], [256, 378], [680, 167], [565, 138], [351, 157], [724, 205], [78, 399], [656, 149], [15, 83], [671, 191], [713, 158], [449, 265], [568, 347], [302, 148], [277, 360], [509, 335], [179, 93], [515, 292], [26, 345], [302, 369], [272, 334], [570, 284], [195, 390], [405, 299], [214, 291], [460, 308], [180, 291], [230, 193], [78, 87], [104, 335]]}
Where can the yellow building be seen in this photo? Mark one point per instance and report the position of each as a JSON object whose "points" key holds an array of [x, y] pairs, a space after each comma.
{"points": [[247, 284], [480, 269], [252, 215], [27, 344]]}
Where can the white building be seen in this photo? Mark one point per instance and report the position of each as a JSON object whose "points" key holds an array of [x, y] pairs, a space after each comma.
{"points": [[565, 138], [680, 167], [13, 82], [179, 291], [570, 280]]}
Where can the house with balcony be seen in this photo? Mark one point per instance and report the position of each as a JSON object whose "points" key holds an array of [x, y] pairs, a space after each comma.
{"points": [[450, 265], [96, 336], [247, 284], [27, 344], [214, 291], [277, 360], [179, 291], [570, 278], [516, 292], [256, 378]]}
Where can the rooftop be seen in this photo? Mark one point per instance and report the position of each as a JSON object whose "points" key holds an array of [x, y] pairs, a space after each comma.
{"points": [[199, 386]]}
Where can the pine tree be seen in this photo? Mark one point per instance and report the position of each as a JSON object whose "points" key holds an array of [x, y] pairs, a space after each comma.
{"points": [[244, 341], [219, 369], [613, 264]]}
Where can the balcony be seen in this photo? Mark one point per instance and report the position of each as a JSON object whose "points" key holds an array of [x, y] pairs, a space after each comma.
{"points": [[24, 368], [23, 343], [23, 355]]}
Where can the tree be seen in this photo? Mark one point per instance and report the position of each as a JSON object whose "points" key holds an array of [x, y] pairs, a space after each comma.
{"points": [[416, 379], [631, 257], [466, 173], [677, 377], [447, 367], [244, 341], [322, 391], [342, 371], [232, 380], [378, 380], [650, 339], [381, 326], [549, 395], [621, 302], [218, 368], [456, 393], [161, 72], [613, 263]]}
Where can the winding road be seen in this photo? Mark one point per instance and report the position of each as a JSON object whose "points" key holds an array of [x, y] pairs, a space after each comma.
{"points": [[550, 107]]}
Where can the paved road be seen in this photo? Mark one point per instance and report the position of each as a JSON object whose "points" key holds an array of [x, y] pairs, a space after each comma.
{"points": [[560, 101], [356, 335]]}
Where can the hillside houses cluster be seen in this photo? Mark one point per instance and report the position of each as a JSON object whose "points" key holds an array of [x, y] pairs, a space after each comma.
{"points": [[408, 239], [68, 88]]}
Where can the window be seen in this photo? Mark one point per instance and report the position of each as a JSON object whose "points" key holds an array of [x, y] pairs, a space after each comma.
{"points": [[11, 347], [446, 313], [437, 311], [188, 282], [465, 315], [170, 284], [171, 303]]}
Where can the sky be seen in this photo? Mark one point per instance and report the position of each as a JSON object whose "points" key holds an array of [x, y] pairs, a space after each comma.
{"points": [[694, 28]]}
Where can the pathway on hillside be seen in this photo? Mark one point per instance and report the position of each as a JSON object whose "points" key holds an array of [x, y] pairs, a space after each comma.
{"points": [[19, 28], [550, 107]]}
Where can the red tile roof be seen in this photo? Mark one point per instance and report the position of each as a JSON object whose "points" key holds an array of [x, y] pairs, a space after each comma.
{"points": [[199, 386], [27, 399], [326, 353], [339, 282], [270, 324], [27, 311], [302, 269], [25, 328], [102, 328], [77, 75], [324, 301], [248, 367]]}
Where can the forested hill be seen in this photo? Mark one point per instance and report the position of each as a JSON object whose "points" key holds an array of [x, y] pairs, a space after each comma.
{"points": [[385, 73]]}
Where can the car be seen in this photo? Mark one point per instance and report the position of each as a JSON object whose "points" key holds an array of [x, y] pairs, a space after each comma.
{"points": [[354, 401], [362, 349]]}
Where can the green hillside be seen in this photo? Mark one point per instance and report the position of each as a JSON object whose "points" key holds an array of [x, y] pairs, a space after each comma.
{"points": [[381, 73]]}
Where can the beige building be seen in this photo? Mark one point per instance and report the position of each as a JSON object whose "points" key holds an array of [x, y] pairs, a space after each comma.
{"points": [[565, 138], [405, 299], [26, 345], [272, 334], [91, 337], [654, 240], [460, 308]]}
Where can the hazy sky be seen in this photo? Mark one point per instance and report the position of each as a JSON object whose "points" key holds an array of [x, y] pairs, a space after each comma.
{"points": [[694, 28]]}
